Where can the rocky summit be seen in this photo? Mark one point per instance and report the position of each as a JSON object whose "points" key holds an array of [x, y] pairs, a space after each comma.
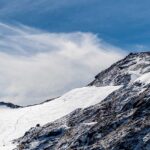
{"points": [[120, 121], [124, 71]]}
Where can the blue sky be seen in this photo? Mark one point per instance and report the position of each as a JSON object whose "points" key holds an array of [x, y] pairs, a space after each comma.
{"points": [[124, 23], [48, 47]]}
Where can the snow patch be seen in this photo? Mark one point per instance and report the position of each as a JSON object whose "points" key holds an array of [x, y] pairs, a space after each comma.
{"points": [[90, 123], [134, 75], [145, 78], [146, 137]]}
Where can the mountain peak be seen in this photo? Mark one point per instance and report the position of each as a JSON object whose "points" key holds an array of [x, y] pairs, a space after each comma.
{"points": [[124, 71]]}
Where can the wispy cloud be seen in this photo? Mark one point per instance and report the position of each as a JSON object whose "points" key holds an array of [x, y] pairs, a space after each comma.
{"points": [[125, 24], [36, 65]]}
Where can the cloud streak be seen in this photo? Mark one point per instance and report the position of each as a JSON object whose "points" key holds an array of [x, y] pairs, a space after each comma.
{"points": [[125, 24], [37, 65]]}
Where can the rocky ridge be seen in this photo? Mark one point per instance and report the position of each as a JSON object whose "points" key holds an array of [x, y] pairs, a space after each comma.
{"points": [[124, 71]]}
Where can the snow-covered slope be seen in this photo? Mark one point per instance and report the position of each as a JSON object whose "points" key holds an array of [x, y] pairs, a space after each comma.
{"points": [[119, 122], [15, 122]]}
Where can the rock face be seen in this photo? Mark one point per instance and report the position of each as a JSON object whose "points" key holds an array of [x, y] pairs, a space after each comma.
{"points": [[120, 122]]}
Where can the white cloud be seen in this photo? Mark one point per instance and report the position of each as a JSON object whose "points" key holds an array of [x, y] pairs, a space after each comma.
{"points": [[35, 65]]}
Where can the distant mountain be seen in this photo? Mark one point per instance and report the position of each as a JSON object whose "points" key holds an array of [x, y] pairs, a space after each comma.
{"points": [[111, 113], [10, 105]]}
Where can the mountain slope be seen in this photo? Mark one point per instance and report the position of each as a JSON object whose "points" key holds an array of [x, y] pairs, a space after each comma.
{"points": [[120, 121], [112, 113], [14, 122]]}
